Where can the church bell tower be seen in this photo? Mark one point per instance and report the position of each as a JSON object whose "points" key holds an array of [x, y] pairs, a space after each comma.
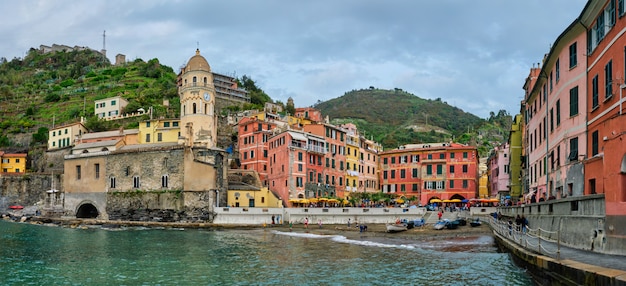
{"points": [[198, 122]]}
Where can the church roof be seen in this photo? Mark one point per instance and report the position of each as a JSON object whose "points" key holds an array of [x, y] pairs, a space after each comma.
{"points": [[198, 62]]}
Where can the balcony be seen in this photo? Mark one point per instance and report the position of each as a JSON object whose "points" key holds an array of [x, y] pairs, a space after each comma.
{"points": [[317, 149]]}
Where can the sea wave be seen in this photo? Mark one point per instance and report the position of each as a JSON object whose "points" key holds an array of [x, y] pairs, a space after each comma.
{"points": [[343, 239]]}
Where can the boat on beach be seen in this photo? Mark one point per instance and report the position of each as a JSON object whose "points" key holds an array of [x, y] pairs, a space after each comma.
{"points": [[396, 227], [475, 223], [453, 224], [441, 224]]}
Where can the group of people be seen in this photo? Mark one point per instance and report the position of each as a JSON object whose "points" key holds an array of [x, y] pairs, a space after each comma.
{"points": [[521, 224]]}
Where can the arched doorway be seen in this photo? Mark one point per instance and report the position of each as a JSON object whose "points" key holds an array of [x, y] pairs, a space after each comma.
{"points": [[87, 211]]}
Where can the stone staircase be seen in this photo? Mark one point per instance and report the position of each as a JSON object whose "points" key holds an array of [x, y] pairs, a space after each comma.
{"points": [[431, 216]]}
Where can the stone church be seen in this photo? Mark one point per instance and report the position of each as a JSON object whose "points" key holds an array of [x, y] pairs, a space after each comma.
{"points": [[180, 181]]}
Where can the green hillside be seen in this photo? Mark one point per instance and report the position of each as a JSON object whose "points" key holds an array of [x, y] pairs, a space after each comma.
{"points": [[395, 117]]}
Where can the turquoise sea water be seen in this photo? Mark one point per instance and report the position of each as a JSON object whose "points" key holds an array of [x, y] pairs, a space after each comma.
{"points": [[50, 255]]}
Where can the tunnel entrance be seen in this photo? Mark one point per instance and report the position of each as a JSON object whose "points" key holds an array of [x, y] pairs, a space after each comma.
{"points": [[87, 211]]}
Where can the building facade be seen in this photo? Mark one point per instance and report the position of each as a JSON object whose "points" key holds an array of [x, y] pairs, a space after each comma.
{"points": [[430, 171], [499, 173], [64, 136], [159, 131], [111, 107], [12, 162]]}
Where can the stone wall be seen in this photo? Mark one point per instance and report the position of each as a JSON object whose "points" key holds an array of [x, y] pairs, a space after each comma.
{"points": [[172, 206], [26, 189]]}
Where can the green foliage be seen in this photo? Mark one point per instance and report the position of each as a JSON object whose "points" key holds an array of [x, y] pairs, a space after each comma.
{"points": [[258, 97], [52, 97], [41, 136], [4, 141], [67, 82]]}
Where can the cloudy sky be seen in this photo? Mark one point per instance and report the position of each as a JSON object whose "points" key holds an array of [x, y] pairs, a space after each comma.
{"points": [[473, 54]]}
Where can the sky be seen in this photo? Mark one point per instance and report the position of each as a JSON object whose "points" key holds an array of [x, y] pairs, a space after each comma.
{"points": [[472, 54]]}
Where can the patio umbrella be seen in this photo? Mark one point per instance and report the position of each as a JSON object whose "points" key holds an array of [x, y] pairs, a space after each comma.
{"points": [[455, 201], [400, 201], [435, 201], [447, 201]]}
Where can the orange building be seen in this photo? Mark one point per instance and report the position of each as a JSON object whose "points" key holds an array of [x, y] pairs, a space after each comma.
{"points": [[287, 156], [254, 133], [335, 158], [429, 171], [605, 166]]}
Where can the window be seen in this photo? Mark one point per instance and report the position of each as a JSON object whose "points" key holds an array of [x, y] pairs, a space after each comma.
{"points": [[17, 160], [97, 170], [594, 143], [573, 101], [572, 56], [166, 124], [464, 168], [112, 182], [78, 172], [592, 186], [136, 182], [441, 185], [430, 156], [465, 184], [557, 68], [147, 138], [165, 181], [384, 175], [159, 137], [608, 79], [439, 169], [393, 174], [558, 113], [148, 124], [451, 169], [442, 156], [429, 169], [594, 92], [175, 124], [464, 155], [416, 158], [620, 7], [112, 102], [414, 172], [402, 173]]}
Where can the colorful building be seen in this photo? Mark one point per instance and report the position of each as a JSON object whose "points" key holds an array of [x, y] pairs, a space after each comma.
{"points": [[499, 173], [430, 171], [287, 156], [253, 135], [335, 158], [159, 131], [12, 162], [245, 190], [353, 166], [368, 163], [605, 153]]}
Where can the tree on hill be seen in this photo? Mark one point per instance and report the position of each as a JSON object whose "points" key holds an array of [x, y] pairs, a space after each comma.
{"points": [[258, 97]]}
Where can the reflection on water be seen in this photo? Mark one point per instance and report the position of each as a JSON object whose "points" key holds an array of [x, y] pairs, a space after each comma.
{"points": [[43, 255]]}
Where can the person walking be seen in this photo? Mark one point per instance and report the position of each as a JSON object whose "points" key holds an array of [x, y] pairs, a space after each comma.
{"points": [[439, 214], [348, 222], [306, 222]]}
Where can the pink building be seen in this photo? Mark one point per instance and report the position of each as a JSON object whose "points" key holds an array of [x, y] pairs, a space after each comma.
{"points": [[287, 156], [499, 172], [555, 119]]}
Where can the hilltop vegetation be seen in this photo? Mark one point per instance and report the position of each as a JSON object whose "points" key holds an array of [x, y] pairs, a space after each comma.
{"points": [[395, 117]]}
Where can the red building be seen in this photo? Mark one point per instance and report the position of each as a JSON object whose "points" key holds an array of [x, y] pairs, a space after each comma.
{"points": [[334, 159], [254, 132], [429, 171], [605, 164]]}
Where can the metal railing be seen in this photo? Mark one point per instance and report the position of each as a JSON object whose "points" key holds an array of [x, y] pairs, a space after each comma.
{"points": [[529, 238]]}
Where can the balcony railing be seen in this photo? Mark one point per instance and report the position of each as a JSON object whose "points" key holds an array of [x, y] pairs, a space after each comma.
{"points": [[317, 149]]}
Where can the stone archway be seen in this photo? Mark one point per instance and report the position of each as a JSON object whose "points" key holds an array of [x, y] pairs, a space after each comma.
{"points": [[87, 210]]}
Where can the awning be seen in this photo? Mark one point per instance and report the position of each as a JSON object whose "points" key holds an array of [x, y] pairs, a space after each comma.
{"points": [[297, 136]]}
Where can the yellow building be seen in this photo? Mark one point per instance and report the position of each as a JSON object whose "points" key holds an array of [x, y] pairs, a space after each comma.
{"points": [[12, 163], [245, 190], [159, 131], [483, 183], [352, 159]]}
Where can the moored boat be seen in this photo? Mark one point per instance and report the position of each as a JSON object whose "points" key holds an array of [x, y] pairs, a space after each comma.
{"points": [[475, 223], [441, 224], [396, 227], [453, 224]]}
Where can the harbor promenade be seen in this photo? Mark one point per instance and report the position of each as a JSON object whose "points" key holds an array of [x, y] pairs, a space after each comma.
{"points": [[552, 263]]}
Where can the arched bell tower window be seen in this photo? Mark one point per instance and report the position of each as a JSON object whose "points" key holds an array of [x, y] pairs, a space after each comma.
{"points": [[194, 108], [205, 81], [206, 108], [195, 80]]}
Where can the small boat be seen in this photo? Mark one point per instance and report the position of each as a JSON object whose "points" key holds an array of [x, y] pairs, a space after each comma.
{"points": [[453, 224], [475, 222], [441, 224], [462, 221], [16, 207], [396, 227]]}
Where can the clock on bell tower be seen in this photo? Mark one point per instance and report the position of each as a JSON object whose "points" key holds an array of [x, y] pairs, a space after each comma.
{"points": [[198, 122]]}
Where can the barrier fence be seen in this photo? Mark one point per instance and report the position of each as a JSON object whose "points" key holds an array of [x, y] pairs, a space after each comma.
{"points": [[529, 238]]}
